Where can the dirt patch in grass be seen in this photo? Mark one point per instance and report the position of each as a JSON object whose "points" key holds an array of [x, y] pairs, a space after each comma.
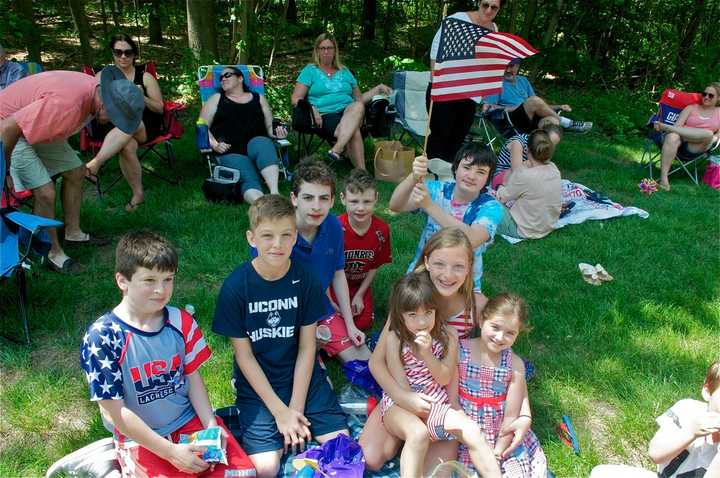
{"points": [[53, 357], [605, 437]]}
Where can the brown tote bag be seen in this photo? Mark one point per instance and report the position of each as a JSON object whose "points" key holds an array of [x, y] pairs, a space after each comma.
{"points": [[393, 161]]}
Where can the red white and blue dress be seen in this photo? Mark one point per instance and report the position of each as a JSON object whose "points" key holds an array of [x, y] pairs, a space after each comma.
{"points": [[482, 393], [422, 381]]}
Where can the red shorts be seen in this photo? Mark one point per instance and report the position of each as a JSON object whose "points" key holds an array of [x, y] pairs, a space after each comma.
{"points": [[138, 461], [364, 319], [339, 338], [498, 179]]}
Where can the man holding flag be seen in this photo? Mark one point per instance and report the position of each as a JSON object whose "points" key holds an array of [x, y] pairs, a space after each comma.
{"points": [[468, 59]]}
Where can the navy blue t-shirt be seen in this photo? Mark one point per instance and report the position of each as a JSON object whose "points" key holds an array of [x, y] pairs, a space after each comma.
{"points": [[270, 314]]}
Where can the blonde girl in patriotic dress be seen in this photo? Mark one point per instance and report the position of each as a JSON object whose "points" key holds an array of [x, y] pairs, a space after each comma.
{"points": [[492, 387], [421, 355]]}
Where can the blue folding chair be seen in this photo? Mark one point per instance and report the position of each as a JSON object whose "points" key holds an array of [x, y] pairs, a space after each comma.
{"points": [[20, 234]]}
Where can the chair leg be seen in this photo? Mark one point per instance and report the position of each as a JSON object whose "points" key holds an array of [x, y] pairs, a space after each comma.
{"points": [[22, 300]]}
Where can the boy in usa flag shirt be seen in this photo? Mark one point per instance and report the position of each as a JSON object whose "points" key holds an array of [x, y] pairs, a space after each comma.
{"points": [[141, 361]]}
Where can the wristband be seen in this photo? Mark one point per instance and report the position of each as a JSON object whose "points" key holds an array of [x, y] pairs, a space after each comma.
{"points": [[528, 416]]}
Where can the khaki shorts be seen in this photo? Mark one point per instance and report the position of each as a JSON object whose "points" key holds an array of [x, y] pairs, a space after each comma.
{"points": [[32, 166]]}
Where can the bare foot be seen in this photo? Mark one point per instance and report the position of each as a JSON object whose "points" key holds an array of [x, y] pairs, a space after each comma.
{"points": [[664, 185]]}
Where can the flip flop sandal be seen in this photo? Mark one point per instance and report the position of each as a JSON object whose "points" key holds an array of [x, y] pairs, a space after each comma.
{"points": [[133, 206], [91, 177], [589, 274], [333, 156], [90, 241], [69, 266], [602, 274]]}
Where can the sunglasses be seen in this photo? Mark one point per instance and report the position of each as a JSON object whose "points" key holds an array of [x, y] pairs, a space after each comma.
{"points": [[127, 53], [708, 95], [227, 75], [485, 6]]}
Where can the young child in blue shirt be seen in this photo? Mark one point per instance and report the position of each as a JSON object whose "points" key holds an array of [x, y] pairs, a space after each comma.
{"points": [[141, 361], [269, 308]]}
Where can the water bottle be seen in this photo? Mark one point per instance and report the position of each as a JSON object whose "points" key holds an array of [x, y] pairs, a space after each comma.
{"points": [[202, 136]]}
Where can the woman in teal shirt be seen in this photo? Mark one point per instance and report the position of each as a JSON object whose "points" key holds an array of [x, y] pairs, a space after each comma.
{"points": [[337, 103]]}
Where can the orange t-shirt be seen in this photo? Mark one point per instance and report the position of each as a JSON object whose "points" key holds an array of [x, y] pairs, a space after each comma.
{"points": [[50, 106]]}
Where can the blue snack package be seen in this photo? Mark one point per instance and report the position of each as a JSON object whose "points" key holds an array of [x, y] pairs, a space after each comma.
{"points": [[211, 439]]}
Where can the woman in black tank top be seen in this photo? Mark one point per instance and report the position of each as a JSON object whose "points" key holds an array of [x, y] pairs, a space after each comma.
{"points": [[125, 52], [240, 123]]}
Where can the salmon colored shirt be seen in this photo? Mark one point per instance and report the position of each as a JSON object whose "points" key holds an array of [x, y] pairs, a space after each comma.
{"points": [[50, 106], [703, 120]]}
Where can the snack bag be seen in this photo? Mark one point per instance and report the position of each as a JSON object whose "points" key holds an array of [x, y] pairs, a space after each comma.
{"points": [[211, 439]]}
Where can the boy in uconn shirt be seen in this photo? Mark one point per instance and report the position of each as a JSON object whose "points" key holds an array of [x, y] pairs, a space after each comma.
{"points": [[269, 308], [141, 361]]}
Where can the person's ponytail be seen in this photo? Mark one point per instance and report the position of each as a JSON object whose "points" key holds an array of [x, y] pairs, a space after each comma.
{"points": [[540, 146]]}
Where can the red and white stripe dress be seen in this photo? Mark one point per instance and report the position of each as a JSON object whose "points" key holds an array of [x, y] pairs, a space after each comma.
{"points": [[422, 381]]}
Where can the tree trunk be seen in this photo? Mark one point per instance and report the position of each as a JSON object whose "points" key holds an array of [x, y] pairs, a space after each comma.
{"points": [[512, 24], [291, 12], [201, 29], [154, 24], [368, 22], [77, 9], [115, 10], [28, 29], [529, 19], [387, 25], [688, 38], [245, 43], [103, 14], [548, 37]]}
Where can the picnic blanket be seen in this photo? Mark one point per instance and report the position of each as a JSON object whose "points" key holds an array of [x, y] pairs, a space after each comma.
{"points": [[580, 204]]}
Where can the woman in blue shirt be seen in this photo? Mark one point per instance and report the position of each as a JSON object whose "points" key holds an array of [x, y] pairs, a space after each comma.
{"points": [[338, 105]]}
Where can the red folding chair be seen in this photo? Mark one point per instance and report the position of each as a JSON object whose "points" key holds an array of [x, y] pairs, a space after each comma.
{"points": [[160, 147], [671, 104]]}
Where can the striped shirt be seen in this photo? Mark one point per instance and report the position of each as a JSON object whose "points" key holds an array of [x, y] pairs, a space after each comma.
{"points": [[503, 162]]}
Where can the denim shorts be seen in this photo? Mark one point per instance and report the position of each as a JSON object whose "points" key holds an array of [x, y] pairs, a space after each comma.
{"points": [[259, 431]]}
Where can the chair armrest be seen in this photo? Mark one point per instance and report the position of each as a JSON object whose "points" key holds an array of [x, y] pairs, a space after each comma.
{"points": [[31, 222]]}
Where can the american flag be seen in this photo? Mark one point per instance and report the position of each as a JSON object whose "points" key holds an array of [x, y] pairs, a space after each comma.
{"points": [[471, 60]]}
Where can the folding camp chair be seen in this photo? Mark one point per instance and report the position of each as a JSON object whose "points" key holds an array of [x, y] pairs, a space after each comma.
{"points": [[209, 83], [411, 114], [377, 123], [20, 234], [160, 147], [31, 67], [671, 104]]}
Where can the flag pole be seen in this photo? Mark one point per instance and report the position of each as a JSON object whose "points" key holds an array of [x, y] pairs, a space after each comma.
{"points": [[427, 127]]}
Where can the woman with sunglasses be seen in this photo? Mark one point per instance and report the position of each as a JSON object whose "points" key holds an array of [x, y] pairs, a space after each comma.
{"points": [[241, 129], [451, 120], [338, 105], [125, 52], [696, 130]]}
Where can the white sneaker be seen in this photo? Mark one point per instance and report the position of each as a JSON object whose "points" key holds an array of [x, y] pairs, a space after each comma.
{"points": [[580, 126]]}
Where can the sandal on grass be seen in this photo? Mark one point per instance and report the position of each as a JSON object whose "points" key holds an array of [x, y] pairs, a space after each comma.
{"points": [[91, 240], [91, 177], [333, 156], [133, 206], [69, 266]]}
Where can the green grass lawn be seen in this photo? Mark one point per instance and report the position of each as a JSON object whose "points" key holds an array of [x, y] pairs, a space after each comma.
{"points": [[611, 357]]}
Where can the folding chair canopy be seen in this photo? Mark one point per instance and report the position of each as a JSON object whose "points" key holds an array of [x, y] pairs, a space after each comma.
{"points": [[209, 79], [671, 103]]}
